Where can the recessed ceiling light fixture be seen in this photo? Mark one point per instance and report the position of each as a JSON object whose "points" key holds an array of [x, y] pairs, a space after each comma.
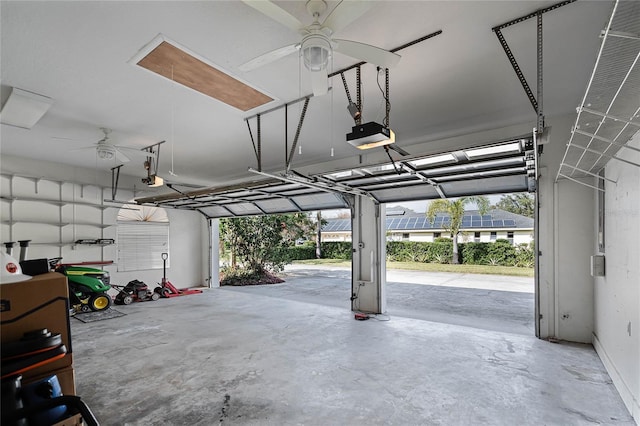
{"points": [[176, 63], [24, 109]]}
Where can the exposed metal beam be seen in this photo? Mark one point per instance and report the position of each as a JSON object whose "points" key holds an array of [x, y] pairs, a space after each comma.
{"points": [[206, 191], [536, 103], [517, 70], [540, 109], [532, 15], [394, 50]]}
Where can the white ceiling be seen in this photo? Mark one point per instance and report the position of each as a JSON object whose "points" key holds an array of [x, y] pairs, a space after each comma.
{"points": [[456, 83]]}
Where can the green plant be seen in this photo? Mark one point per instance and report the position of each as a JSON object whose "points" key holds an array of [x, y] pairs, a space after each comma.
{"points": [[236, 276], [522, 204], [501, 252], [475, 253], [454, 209], [337, 250], [260, 243], [525, 255]]}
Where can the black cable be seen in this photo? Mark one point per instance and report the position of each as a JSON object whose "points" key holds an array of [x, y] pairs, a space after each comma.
{"points": [[393, 162]]}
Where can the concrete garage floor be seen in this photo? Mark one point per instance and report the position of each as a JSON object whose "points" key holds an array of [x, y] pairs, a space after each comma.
{"points": [[242, 357]]}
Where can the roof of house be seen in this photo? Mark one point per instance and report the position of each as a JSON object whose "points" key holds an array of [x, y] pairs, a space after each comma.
{"points": [[402, 220]]}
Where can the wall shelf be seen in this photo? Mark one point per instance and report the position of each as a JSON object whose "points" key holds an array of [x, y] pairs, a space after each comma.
{"points": [[57, 202], [43, 203]]}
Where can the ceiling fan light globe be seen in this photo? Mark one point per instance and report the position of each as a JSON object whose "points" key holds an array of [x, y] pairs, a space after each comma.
{"points": [[316, 52], [105, 154]]}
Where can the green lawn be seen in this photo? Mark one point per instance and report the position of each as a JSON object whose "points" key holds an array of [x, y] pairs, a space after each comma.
{"points": [[433, 267]]}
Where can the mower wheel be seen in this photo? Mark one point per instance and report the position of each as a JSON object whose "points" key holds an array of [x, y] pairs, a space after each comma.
{"points": [[85, 308], [155, 296], [99, 302], [127, 300], [164, 292]]}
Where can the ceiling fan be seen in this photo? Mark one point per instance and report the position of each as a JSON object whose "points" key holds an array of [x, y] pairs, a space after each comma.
{"points": [[107, 151], [317, 45]]}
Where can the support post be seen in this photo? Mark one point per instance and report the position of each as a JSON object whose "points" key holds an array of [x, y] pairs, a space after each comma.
{"points": [[368, 271], [214, 253]]}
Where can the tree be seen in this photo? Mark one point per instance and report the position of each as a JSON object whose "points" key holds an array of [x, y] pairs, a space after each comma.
{"points": [[320, 222], [522, 204], [260, 242], [455, 210]]}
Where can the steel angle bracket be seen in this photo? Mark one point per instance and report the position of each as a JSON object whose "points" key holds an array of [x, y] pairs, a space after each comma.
{"points": [[536, 103]]}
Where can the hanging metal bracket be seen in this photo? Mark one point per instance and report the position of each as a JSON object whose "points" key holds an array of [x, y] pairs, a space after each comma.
{"points": [[256, 149], [152, 162], [535, 103], [297, 136], [115, 177]]}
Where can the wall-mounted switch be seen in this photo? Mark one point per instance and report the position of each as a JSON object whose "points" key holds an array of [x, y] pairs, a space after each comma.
{"points": [[597, 265]]}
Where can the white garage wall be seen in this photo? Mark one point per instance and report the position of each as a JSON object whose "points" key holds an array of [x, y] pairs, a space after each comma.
{"points": [[574, 283], [565, 241], [617, 295], [51, 223]]}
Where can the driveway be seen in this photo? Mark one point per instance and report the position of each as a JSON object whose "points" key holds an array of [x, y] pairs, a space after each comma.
{"points": [[490, 302]]}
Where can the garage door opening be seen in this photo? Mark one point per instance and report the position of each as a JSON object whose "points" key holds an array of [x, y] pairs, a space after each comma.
{"points": [[507, 166], [492, 288]]}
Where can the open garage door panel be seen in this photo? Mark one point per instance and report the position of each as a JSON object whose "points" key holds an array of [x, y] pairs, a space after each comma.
{"points": [[496, 168], [251, 198], [490, 169]]}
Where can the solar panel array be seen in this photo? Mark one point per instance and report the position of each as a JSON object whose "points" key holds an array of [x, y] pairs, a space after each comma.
{"points": [[422, 222]]}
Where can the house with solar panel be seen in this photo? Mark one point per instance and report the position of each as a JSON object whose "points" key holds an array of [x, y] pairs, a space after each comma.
{"points": [[407, 225]]}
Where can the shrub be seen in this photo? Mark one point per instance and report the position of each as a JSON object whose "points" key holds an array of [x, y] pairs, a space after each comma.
{"points": [[501, 252], [440, 252], [474, 253], [525, 255], [336, 250], [302, 252]]}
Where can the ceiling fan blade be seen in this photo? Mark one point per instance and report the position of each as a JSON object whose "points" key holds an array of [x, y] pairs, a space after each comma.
{"points": [[367, 53], [82, 149], [132, 153], [269, 57], [319, 82], [276, 13], [345, 13], [121, 157]]}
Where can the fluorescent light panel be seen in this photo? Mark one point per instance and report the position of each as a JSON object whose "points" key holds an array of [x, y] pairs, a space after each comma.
{"points": [[24, 109], [438, 159], [493, 150]]}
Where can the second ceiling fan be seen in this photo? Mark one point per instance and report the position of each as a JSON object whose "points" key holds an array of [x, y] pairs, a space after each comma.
{"points": [[317, 45]]}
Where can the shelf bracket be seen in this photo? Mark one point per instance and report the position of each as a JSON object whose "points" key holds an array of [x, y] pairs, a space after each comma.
{"points": [[115, 176]]}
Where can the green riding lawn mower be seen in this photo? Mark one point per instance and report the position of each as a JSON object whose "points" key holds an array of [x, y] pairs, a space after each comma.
{"points": [[87, 287]]}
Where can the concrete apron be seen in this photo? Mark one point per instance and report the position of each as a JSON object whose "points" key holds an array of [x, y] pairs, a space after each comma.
{"points": [[230, 357]]}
